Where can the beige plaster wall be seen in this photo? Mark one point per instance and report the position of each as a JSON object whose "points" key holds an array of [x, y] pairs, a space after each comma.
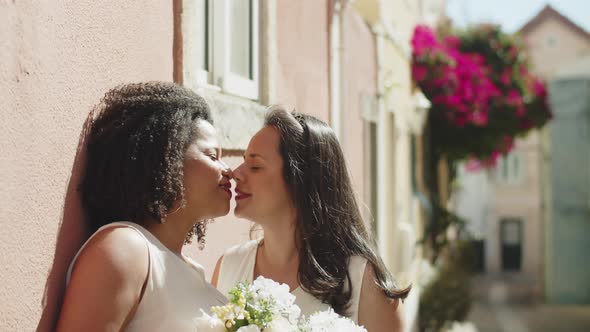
{"points": [[303, 56], [58, 59], [359, 79]]}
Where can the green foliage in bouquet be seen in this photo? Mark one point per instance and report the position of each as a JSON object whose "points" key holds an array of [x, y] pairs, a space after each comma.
{"points": [[257, 311]]}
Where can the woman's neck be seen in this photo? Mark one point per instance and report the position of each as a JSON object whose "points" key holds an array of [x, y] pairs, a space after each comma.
{"points": [[277, 256], [278, 247], [171, 233]]}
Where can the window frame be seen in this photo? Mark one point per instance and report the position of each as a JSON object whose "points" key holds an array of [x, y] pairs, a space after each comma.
{"points": [[218, 38], [509, 163]]}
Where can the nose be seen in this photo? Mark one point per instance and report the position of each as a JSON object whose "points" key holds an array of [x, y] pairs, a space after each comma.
{"points": [[226, 170], [238, 175]]}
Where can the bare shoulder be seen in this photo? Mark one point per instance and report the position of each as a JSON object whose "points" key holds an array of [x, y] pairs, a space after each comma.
{"points": [[118, 249], [376, 311], [107, 280]]}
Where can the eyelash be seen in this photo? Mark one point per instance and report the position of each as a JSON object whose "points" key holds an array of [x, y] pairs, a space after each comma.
{"points": [[213, 157]]}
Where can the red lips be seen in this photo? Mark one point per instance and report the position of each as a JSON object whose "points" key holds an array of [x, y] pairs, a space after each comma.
{"points": [[226, 187], [241, 194]]}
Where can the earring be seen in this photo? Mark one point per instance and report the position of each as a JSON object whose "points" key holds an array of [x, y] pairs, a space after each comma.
{"points": [[181, 205]]}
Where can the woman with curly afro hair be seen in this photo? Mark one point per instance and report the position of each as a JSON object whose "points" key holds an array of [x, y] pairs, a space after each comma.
{"points": [[153, 176]]}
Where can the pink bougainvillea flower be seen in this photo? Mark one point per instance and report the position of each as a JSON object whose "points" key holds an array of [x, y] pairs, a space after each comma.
{"points": [[473, 165], [452, 41], [492, 161], [539, 88], [506, 76], [514, 99], [480, 118], [419, 72]]}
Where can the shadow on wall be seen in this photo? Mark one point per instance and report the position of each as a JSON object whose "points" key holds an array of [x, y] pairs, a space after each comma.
{"points": [[72, 233]]}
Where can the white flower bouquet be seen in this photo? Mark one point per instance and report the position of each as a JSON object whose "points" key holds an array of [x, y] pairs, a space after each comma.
{"points": [[267, 306], [325, 321]]}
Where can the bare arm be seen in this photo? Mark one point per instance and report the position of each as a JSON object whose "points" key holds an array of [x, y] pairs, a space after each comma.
{"points": [[107, 282], [377, 313], [215, 276]]}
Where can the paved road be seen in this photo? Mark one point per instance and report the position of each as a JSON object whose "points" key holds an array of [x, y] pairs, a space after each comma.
{"points": [[489, 317]]}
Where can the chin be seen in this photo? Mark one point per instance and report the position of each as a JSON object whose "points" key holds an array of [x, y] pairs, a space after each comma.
{"points": [[240, 213], [220, 211], [224, 211]]}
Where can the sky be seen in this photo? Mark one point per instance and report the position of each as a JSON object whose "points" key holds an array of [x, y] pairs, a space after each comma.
{"points": [[513, 14]]}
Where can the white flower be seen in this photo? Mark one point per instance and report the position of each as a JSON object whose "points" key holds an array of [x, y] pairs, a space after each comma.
{"points": [[293, 313], [229, 312], [284, 301], [263, 302], [330, 321], [266, 288], [207, 323], [249, 328], [280, 324]]}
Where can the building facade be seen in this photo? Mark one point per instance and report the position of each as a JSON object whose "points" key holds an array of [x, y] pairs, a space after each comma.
{"points": [[555, 43], [510, 208], [345, 62]]}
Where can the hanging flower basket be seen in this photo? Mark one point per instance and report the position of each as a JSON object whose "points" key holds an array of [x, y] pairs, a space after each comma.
{"points": [[482, 92]]}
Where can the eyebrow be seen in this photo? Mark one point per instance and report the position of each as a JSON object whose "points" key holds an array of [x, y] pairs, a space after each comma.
{"points": [[253, 155], [213, 148]]}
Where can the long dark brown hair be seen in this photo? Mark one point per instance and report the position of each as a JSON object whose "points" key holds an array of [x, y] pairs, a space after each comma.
{"points": [[136, 145], [329, 228]]}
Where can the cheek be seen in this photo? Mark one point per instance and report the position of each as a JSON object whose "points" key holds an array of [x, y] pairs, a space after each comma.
{"points": [[200, 175], [275, 189]]}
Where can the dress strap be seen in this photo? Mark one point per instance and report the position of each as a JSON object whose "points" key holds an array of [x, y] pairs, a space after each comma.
{"points": [[356, 271], [237, 265], [107, 226]]}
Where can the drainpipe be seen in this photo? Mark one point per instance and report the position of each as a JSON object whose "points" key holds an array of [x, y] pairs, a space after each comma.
{"points": [[383, 152], [336, 51]]}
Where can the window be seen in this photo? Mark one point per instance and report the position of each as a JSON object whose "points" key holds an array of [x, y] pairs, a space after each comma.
{"points": [[511, 243], [479, 256], [414, 163], [203, 41], [369, 113], [226, 45], [551, 42], [371, 169], [510, 169]]}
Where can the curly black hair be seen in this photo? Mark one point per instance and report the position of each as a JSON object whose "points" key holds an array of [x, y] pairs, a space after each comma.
{"points": [[136, 146]]}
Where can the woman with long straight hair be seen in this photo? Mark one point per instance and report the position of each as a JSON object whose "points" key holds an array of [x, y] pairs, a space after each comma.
{"points": [[294, 184]]}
